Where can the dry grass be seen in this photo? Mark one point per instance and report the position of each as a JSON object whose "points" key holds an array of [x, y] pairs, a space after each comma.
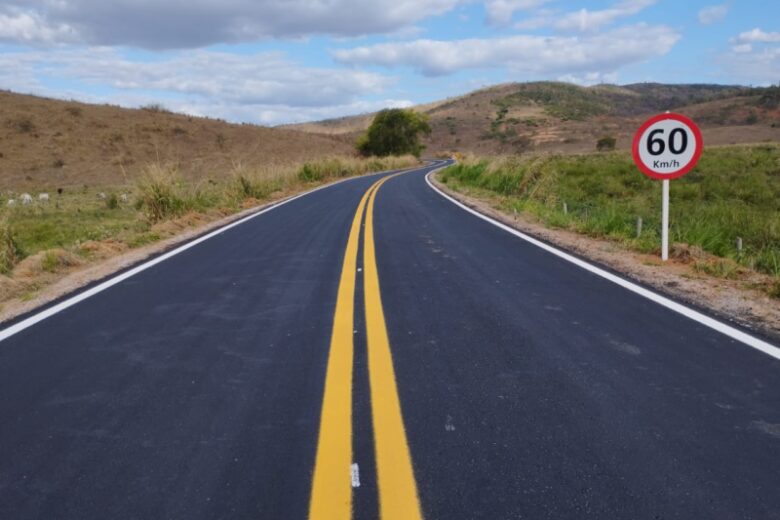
{"points": [[47, 144]]}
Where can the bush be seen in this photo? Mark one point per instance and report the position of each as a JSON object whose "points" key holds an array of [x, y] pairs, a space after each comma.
{"points": [[310, 173], [23, 125], [112, 201], [606, 144]]}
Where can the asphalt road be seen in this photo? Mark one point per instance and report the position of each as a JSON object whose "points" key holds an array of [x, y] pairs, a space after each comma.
{"points": [[420, 363]]}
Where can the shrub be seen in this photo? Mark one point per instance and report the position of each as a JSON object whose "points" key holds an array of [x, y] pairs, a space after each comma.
{"points": [[112, 201], [23, 125], [606, 143], [310, 173]]}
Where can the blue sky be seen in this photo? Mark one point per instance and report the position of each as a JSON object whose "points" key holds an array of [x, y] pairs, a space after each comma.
{"points": [[280, 61]]}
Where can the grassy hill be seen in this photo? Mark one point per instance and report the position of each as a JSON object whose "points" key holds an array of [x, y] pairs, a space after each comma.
{"points": [[560, 117], [47, 144]]}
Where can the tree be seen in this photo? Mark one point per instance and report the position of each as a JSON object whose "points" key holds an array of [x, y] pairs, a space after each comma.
{"points": [[395, 131]]}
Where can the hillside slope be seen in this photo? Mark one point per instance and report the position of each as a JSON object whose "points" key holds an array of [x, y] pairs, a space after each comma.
{"points": [[46, 143], [549, 116]]}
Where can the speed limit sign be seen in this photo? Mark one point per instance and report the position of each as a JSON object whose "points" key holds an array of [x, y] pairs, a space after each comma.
{"points": [[667, 146]]}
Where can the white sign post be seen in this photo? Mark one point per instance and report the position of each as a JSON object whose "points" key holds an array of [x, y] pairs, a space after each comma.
{"points": [[666, 147]]}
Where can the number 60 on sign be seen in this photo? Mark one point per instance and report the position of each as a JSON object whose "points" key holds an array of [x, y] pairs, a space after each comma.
{"points": [[667, 146]]}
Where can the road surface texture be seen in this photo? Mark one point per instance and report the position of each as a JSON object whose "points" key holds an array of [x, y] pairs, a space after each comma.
{"points": [[371, 350]]}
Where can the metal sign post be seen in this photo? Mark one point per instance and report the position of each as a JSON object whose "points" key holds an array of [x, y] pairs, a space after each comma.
{"points": [[667, 147]]}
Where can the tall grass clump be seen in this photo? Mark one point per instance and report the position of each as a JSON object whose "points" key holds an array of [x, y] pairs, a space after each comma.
{"points": [[9, 249], [161, 193], [734, 192], [257, 183]]}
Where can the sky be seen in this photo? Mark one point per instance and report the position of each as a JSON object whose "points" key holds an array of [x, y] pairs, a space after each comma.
{"points": [[284, 61]]}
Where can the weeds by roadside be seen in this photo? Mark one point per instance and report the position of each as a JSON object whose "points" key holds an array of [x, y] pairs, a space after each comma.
{"points": [[45, 238], [734, 193], [9, 250]]}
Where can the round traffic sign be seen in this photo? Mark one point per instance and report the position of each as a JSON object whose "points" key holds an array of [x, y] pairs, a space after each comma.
{"points": [[667, 146]]}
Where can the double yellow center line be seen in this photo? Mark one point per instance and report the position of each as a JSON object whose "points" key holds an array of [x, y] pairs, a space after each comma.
{"points": [[331, 496]]}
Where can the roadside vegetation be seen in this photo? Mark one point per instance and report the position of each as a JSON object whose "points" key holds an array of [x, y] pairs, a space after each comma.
{"points": [[731, 199], [41, 238]]}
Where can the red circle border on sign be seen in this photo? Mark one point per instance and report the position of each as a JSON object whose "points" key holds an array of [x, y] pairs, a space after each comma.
{"points": [[685, 169]]}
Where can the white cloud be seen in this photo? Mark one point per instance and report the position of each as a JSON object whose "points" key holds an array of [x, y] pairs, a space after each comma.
{"points": [[754, 57], [197, 23], [238, 87], [591, 78], [531, 55], [500, 12], [758, 68], [713, 14], [29, 27], [586, 20], [759, 36]]}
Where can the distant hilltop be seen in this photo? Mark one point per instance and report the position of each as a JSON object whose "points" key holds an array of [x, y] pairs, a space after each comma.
{"points": [[561, 117]]}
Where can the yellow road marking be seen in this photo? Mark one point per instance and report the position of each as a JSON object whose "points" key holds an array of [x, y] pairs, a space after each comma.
{"points": [[397, 488], [331, 495]]}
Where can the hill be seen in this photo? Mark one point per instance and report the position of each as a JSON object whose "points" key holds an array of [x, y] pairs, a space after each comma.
{"points": [[47, 143], [560, 117]]}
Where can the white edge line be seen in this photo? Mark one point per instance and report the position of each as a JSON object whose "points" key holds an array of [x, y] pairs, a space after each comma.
{"points": [[80, 297], [721, 327]]}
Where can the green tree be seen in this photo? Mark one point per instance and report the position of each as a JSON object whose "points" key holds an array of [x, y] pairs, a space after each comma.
{"points": [[395, 131]]}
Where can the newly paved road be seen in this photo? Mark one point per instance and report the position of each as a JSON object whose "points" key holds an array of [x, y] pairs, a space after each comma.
{"points": [[463, 374]]}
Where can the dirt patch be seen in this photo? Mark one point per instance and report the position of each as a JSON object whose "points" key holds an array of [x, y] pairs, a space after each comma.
{"points": [[8, 287], [685, 277], [50, 261], [103, 249]]}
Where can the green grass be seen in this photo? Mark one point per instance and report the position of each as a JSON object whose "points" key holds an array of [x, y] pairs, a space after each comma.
{"points": [[79, 218], [733, 192]]}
